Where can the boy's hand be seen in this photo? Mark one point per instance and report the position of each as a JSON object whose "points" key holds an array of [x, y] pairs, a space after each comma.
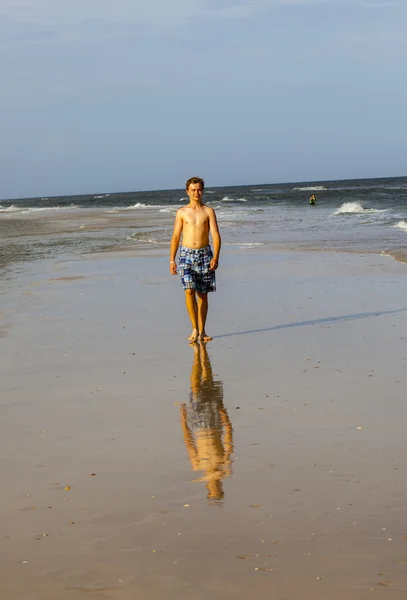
{"points": [[173, 268], [213, 265]]}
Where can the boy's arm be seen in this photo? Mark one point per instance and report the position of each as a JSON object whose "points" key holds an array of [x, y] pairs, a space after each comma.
{"points": [[175, 240], [214, 229]]}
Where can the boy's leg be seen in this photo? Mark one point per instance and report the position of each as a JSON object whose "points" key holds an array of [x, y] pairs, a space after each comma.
{"points": [[190, 301], [202, 314]]}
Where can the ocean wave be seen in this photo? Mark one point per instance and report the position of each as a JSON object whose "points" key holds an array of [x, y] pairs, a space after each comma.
{"points": [[25, 210], [356, 208], [349, 208], [169, 209], [401, 225], [228, 215], [311, 188], [364, 188], [227, 199], [9, 209], [268, 190], [155, 236], [143, 241], [137, 206], [47, 208]]}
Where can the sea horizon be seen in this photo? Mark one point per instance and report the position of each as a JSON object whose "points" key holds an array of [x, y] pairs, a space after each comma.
{"points": [[207, 186]]}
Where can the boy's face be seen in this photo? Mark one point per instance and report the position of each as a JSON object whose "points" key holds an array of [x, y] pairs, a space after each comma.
{"points": [[195, 191]]}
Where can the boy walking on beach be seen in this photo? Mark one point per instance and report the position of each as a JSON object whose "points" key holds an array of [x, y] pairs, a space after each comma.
{"points": [[197, 263]]}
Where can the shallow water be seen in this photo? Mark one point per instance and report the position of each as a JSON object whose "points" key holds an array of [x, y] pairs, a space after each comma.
{"points": [[358, 215]]}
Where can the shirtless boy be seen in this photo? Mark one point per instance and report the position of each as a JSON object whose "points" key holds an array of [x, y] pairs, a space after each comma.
{"points": [[197, 263]]}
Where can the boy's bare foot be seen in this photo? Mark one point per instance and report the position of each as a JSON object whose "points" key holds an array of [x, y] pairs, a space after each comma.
{"points": [[204, 337], [194, 336]]}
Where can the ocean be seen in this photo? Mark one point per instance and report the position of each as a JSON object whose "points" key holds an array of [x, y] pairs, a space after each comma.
{"points": [[366, 215]]}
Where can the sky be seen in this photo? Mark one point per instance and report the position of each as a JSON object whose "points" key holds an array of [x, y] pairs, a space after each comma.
{"points": [[127, 95]]}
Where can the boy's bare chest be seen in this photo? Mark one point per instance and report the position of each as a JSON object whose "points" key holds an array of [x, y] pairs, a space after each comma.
{"points": [[196, 218]]}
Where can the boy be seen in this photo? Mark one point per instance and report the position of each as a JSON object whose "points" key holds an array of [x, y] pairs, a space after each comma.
{"points": [[197, 262]]}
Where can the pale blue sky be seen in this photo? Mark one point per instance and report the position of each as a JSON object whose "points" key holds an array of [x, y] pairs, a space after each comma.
{"points": [[121, 95]]}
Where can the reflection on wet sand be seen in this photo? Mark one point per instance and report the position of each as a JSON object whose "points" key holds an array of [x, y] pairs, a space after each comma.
{"points": [[208, 432]]}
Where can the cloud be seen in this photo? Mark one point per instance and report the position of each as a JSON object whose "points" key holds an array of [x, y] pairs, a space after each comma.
{"points": [[44, 21], [48, 21], [57, 12]]}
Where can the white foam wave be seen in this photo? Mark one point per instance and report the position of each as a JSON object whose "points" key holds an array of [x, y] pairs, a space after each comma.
{"points": [[48, 208], [349, 208], [141, 241], [169, 209], [98, 196], [137, 206], [9, 209], [356, 208], [228, 215], [244, 245], [401, 225], [33, 209], [310, 188], [227, 199]]}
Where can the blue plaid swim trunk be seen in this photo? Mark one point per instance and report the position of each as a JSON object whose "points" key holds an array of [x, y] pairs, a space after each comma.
{"points": [[193, 267]]}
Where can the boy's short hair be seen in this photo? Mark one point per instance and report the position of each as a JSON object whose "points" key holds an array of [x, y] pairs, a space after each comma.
{"points": [[195, 180]]}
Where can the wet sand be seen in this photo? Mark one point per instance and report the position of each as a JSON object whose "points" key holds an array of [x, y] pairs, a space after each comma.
{"points": [[272, 465]]}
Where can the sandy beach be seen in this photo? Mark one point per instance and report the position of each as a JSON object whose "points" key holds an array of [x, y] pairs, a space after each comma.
{"points": [[105, 492]]}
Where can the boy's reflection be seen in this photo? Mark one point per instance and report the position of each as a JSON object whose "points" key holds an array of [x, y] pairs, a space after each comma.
{"points": [[204, 423]]}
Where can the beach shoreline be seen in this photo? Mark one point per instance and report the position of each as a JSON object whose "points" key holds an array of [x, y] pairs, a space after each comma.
{"points": [[360, 216]]}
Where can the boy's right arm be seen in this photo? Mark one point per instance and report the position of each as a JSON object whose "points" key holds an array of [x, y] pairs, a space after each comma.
{"points": [[175, 240]]}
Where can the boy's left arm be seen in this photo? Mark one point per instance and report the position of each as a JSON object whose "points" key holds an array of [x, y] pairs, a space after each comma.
{"points": [[214, 229]]}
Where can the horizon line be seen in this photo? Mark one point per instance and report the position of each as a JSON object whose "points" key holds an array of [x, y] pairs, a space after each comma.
{"points": [[241, 185]]}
